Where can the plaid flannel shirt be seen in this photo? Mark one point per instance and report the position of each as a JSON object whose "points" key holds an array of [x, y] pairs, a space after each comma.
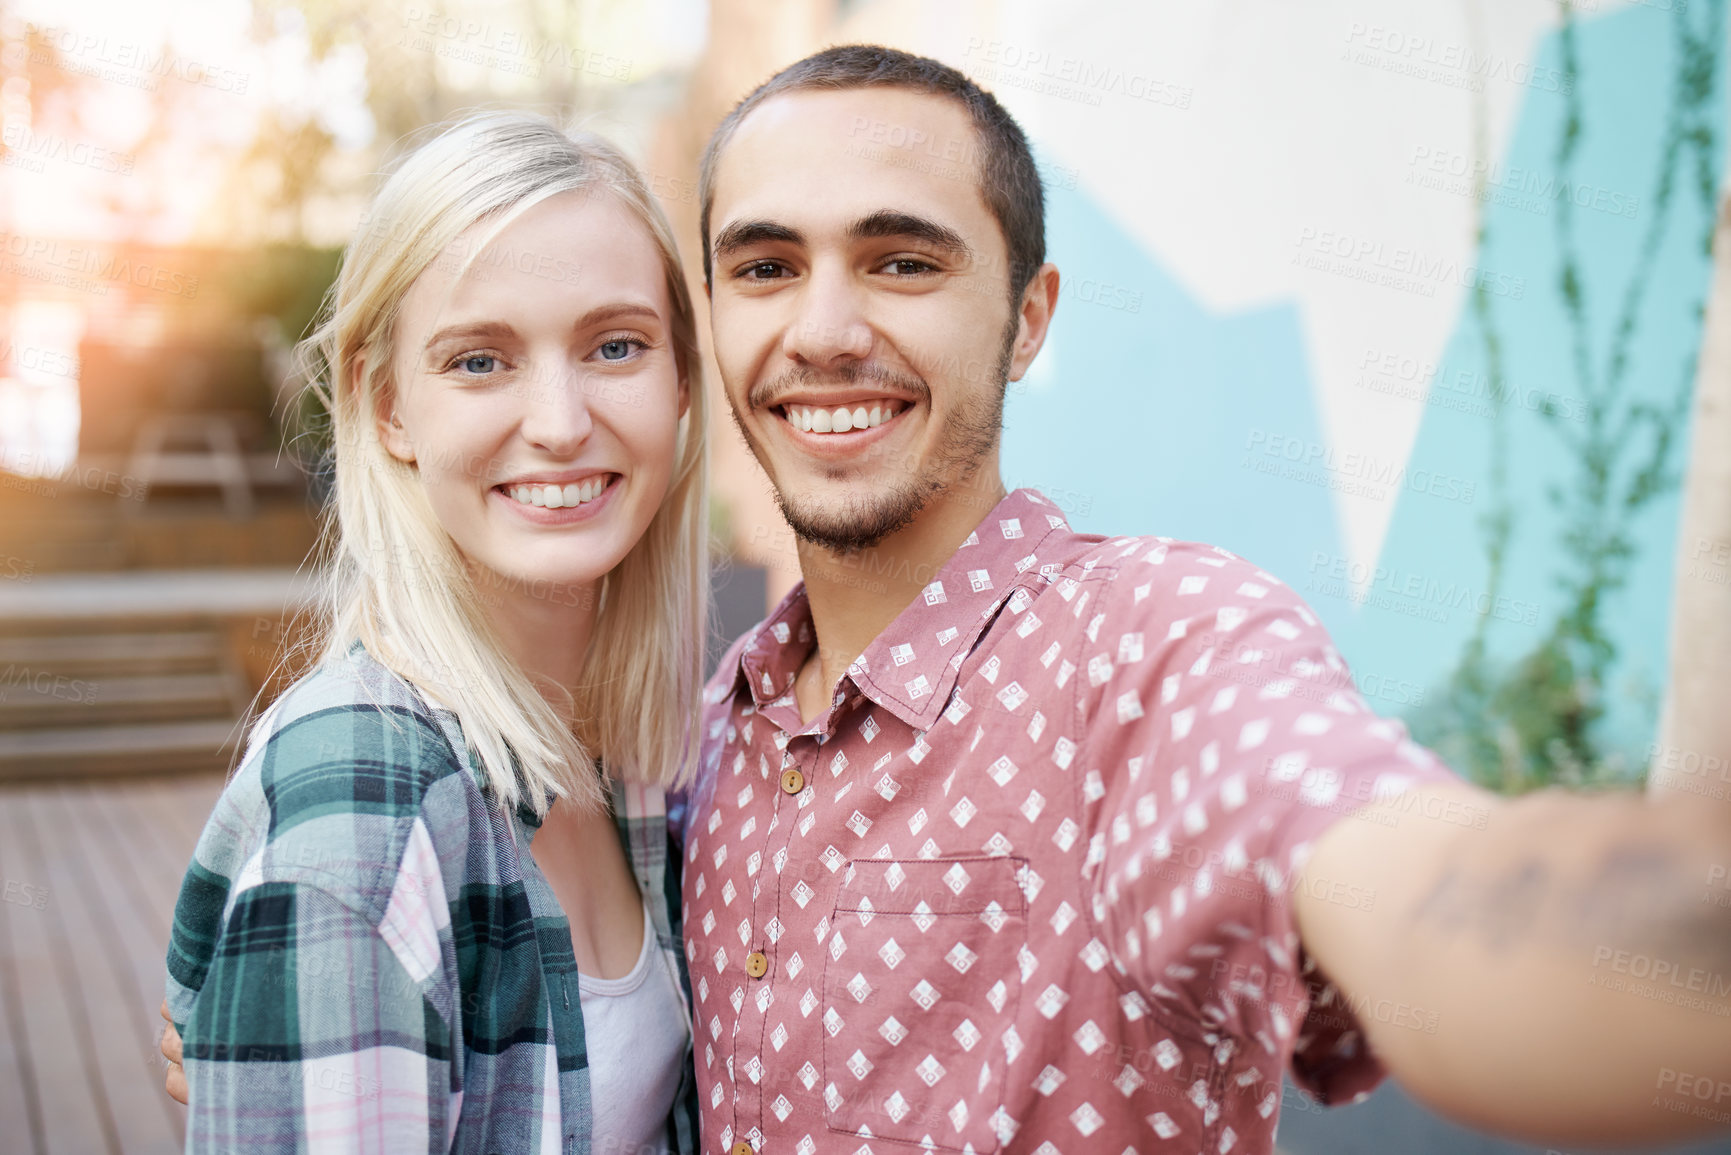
{"points": [[365, 958]]}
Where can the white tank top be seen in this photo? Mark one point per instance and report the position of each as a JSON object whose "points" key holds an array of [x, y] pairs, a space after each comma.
{"points": [[636, 1033]]}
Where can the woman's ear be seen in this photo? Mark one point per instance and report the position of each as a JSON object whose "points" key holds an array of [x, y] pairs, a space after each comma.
{"points": [[392, 435], [684, 394]]}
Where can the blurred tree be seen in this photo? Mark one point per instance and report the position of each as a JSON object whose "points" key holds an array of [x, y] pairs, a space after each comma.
{"points": [[419, 66]]}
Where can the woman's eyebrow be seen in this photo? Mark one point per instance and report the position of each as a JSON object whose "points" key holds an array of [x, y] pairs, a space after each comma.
{"points": [[502, 331], [471, 331], [614, 310]]}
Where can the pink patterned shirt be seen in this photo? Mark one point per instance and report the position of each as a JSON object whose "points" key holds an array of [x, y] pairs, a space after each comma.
{"points": [[1025, 886]]}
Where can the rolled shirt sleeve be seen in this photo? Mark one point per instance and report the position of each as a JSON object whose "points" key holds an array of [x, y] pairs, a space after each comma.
{"points": [[312, 1032], [1227, 735]]}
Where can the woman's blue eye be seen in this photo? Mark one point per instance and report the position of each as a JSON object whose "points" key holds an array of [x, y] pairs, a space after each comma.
{"points": [[479, 363], [616, 350]]}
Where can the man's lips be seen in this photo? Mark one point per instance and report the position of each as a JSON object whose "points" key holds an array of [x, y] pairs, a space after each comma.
{"points": [[841, 416]]}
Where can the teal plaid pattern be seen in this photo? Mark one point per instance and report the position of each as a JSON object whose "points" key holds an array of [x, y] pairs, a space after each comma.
{"points": [[365, 957]]}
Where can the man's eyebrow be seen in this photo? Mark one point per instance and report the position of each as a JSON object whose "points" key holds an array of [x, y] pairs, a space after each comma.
{"points": [[739, 234], [891, 223]]}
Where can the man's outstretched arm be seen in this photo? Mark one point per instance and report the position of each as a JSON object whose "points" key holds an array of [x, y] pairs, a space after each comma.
{"points": [[1572, 953]]}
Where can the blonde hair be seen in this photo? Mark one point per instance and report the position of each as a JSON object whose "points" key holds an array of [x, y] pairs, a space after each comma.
{"points": [[396, 582]]}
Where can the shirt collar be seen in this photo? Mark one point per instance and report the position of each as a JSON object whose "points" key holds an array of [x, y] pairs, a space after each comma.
{"points": [[911, 667], [770, 660]]}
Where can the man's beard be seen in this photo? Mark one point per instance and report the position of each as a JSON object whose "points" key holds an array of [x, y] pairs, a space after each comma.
{"points": [[867, 518]]}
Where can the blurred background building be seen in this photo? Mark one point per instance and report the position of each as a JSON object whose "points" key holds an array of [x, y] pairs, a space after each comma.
{"points": [[1401, 299]]}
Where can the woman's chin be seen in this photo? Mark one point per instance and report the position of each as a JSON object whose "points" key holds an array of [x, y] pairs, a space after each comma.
{"points": [[571, 586]]}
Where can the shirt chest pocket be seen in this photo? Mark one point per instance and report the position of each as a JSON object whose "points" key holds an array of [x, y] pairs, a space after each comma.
{"points": [[921, 986]]}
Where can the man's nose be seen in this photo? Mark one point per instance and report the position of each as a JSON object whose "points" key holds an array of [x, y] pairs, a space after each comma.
{"points": [[830, 325]]}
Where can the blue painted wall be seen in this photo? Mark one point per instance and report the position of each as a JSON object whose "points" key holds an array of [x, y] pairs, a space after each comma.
{"points": [[1144, 413]]}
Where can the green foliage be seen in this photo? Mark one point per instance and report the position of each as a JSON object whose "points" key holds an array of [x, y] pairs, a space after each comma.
{"points": [[286, 283], [1534, 722]]}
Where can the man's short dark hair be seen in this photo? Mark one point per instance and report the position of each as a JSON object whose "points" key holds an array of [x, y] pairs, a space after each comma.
{"points": [[1009, 181]]}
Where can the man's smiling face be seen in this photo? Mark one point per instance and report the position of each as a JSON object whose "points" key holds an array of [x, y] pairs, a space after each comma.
{"points": [[861, 306]]}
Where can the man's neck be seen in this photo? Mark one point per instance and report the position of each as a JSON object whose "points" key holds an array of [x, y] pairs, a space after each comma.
{"points": [[855, 596]]}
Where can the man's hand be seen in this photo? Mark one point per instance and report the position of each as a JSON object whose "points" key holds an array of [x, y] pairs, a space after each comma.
{"points": [[1555, 967], [171, 1052]]}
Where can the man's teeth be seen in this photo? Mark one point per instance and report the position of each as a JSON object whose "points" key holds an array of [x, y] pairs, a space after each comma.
{"points": [[558, 496], [810, 419]]}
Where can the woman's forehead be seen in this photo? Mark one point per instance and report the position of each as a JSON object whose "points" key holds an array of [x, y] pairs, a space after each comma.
{"points": [[573, 252]]}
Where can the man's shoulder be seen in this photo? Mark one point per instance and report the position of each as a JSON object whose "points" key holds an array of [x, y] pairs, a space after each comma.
{"points": [[1153, 575]]}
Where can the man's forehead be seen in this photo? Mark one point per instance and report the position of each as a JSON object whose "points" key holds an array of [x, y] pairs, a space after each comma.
{"points": [[836, 155]]}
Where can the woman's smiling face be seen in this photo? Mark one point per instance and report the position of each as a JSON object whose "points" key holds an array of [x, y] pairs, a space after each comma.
{"points": [[537, 393]]}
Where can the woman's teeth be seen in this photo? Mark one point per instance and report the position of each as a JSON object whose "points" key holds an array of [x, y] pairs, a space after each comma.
{"points": [[809, 419], [558, 496]]}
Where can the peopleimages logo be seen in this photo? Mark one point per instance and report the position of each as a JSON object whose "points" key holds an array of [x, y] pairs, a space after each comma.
{"points": [[1466, 390], [1358, 474], [133, 62], [1070, 77], [45, 258], [24, 146], [1656, 971], [503, 48], [1448, 171], [1397, 267], [1457, 65], [1359, 580]]}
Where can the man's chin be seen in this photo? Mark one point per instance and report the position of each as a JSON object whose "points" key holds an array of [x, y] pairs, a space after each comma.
{"points": [[858, 520]]}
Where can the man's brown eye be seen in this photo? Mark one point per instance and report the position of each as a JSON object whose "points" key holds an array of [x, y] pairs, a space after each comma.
{"points": [[765, 270]]}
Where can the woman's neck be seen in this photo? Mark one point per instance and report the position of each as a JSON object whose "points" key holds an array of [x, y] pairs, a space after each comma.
{"points": [[545, 628]]}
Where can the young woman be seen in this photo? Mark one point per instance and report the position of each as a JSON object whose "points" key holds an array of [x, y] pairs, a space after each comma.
{"points": [[435, 909]]}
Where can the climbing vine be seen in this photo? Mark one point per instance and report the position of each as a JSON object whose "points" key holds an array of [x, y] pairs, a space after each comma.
{"points": [[1520, 724]]}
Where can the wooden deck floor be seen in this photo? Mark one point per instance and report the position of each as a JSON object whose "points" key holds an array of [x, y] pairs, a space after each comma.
{"points": [[88, 876]]}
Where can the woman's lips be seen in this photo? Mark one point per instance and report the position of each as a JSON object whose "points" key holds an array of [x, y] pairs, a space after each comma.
{"points": [[544, 503], [552, 496]]}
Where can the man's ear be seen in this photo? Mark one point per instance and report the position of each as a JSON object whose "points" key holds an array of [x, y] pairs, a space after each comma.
{"points": [[392, 435], [1034, 318]]}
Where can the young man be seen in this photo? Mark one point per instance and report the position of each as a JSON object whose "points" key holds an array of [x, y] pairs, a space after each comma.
{"points": [[1010, 838]]}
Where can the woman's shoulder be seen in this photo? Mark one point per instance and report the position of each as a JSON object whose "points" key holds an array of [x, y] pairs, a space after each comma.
{"points": [[353, 717], [341, 774], [351, 681]]}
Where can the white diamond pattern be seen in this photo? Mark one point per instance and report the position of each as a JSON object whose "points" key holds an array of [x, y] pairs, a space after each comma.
{"points": [[1052, 834]]}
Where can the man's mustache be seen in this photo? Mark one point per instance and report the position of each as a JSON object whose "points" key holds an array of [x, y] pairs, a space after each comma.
{"points": [[804, 378]]}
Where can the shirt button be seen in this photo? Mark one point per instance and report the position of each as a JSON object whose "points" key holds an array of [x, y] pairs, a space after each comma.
{"points": [[792, 781], [756, 965], [740, 1148]]}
